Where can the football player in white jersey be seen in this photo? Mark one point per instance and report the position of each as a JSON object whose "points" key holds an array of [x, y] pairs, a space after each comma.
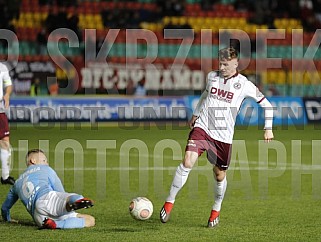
{"points": [[5, 151], [212, 126]]}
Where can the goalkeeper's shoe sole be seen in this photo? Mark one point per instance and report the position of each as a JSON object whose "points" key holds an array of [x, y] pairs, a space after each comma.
{"points": [[165, 212], [214, 219], [81, 203]]}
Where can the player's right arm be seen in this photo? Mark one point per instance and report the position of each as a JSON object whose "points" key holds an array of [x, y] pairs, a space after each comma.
{"points": [[6, 97], [7, 85], [198, 109], [11, 199]]}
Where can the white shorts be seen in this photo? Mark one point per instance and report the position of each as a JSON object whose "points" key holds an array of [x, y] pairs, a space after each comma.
{"points": [[52, 205]]}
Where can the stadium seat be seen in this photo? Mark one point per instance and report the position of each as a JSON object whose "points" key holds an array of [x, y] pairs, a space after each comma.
{"points": [[282, 89], [14, 49], [3, 51], [24, 48], [120, 50], [201, 51], [151, 51], [162, 51], [195, 52]]}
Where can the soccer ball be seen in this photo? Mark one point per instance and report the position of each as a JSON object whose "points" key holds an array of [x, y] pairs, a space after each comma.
{"points": [[141, 208]]}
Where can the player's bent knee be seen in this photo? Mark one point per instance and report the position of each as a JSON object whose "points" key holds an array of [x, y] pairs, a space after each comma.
{"points": [[4, 143], [190, 159], [89, 221], [220, 177], [187, 164], [219, 174]]}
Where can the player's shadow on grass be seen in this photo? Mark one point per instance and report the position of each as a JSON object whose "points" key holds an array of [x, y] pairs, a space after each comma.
{"points": [[21, 223], [123, 230], [130, 225]]}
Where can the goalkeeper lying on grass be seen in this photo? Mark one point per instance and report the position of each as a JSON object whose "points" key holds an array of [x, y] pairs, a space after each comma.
{"points": [[42, 193]]}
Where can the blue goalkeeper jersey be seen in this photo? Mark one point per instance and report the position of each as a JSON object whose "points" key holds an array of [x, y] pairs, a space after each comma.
{"points": [[36, 181]]}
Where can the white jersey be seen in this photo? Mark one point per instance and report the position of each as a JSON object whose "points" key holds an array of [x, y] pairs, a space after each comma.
{"points": [[222, 101], [5, 81]]}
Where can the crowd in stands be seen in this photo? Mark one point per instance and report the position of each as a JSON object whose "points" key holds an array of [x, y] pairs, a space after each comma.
{"points": [[9, 9], [263, 12]]}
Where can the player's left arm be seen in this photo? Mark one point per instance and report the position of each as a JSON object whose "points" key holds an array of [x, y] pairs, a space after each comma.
{"points": [[268, 114], [254, 92], [11, 199]]}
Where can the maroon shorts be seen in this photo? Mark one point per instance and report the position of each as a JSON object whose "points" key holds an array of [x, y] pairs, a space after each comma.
{"points": [[218, 153], [4, 126]]}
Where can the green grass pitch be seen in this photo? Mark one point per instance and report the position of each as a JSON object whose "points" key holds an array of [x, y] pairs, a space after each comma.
{"points": [[273, 193]]}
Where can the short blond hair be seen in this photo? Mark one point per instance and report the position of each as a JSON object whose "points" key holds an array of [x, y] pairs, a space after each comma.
{"points": [[228, 54], [33, 151]]}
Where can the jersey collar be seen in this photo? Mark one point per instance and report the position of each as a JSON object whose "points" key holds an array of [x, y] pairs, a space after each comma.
{"points": [[236, 73], [226, 79]]}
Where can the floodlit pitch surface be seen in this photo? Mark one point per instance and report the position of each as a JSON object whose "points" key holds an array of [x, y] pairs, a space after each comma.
{"points": [[273, 192]]}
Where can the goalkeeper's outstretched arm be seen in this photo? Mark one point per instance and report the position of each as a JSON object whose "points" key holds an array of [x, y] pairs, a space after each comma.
{"points": [[7, 205]]}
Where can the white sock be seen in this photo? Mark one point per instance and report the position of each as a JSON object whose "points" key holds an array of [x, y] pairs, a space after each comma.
{"points": [[179, 180], [5, 161], [219, 192]]}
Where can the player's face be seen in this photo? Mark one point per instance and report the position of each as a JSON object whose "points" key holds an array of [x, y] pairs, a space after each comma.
{"points": [[228, 67]]}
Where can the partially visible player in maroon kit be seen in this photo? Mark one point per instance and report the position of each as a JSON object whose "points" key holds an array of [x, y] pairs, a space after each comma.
{"points": [[212, 126], [5, 151]]}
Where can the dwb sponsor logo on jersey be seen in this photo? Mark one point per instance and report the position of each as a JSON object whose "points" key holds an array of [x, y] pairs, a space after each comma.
{"points": [[222, 95]]}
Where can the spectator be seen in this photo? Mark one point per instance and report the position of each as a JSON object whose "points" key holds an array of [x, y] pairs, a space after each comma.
{"points": [[317, 9], [241, 5], [130, 88], [293, 8], [272, 90], [171, 7], [50, 22], [42, 40], [73, 21], [13, 8], [45, 2], [306, 8], [35, 87], [140, 89], [207, 5]]}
